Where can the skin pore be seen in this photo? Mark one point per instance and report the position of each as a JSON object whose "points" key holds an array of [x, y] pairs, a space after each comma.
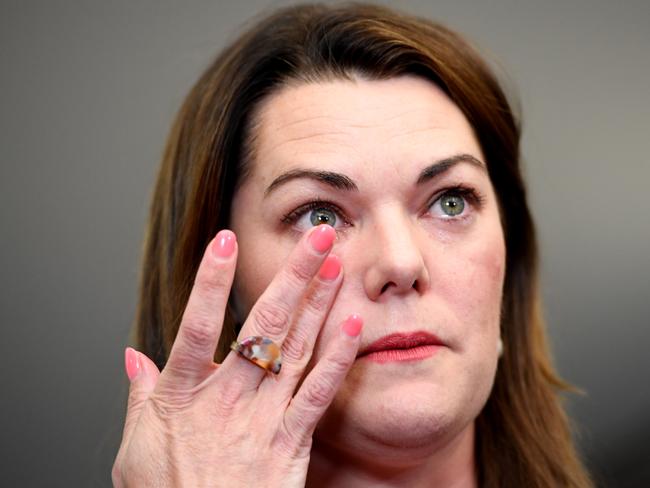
{"points": [[395, 168]]}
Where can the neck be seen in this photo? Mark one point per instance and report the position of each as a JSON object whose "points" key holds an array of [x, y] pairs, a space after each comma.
{"points": [[451, 464]]}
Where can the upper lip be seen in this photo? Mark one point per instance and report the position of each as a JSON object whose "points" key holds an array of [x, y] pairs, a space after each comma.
{"points": [[400, 341]]}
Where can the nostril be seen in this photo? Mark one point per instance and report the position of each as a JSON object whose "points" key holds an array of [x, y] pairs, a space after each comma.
{"points": [[414, 285], [385, 287]]}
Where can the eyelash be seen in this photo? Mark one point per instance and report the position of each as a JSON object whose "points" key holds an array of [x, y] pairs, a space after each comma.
{"points": [[467, 193], [293, 216]]}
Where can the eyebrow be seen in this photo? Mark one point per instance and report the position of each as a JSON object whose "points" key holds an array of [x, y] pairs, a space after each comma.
{"points": [[334, 180], [342, 182], [443, 165]]}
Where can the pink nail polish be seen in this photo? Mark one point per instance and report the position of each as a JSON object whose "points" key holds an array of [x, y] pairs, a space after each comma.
{"points": [[322, 238], [352, 325], [131, 363], [224, 244], [330, 268]]}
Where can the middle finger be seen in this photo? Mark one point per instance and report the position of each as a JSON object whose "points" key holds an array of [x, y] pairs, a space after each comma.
{"points": [[275, 311]]}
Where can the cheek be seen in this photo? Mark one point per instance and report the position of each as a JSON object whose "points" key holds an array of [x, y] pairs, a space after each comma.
{"points": [[477, 287], [261, 251], [485, 272], [257, 265]]}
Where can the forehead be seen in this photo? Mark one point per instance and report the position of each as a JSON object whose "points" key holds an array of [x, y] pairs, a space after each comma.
{"points": [[356, 126]]}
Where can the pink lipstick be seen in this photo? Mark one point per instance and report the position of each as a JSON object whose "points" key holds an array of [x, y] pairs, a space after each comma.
{"points": [[401, 347]]}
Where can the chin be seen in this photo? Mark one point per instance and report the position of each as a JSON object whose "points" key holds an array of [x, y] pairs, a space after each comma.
{"points": [[398, 425]]}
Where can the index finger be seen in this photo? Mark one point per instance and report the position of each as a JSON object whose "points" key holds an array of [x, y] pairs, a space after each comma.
{"points": [[192, 355]]}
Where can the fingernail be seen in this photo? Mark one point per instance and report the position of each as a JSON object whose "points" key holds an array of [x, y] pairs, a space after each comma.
{"points": [[352, 325], [224, 244], [131, 363], [330, 268], [322, 237]]}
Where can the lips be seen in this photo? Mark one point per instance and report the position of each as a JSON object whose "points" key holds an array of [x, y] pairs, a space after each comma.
{"points": [[400, 342]]}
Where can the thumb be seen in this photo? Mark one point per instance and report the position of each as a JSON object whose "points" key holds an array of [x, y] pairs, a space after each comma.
{"points": [[143, 375]]}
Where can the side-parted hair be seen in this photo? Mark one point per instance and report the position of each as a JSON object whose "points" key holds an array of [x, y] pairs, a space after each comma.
{"points": [[522, 434]]}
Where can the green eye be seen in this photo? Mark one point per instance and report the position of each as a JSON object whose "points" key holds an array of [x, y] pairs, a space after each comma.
{"points": [[320, 216], [452, 205], [313, 214]]}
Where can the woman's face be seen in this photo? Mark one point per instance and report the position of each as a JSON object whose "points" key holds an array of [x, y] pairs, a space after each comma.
{"points": [[418, 234]]}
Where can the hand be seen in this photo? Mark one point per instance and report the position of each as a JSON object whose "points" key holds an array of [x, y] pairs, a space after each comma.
{"points": [[198, 423]]}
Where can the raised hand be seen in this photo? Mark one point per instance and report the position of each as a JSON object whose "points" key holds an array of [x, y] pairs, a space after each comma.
{"points": [[198, 423]]}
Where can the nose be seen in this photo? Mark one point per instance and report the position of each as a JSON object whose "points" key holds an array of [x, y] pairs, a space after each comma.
{"points": [[395, 258]]}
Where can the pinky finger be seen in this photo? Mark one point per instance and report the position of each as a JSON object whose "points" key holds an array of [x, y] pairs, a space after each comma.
{"points": [[321, 384]]}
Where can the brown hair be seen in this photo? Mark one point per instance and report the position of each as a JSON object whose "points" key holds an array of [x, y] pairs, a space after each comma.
{"points": [[522, 434]]}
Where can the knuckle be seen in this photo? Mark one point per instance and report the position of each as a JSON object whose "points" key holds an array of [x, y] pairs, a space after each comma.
{"points": [[338, 365], [300, 272], [271, 319], [197, 331], [317, 299], [294, 347], [212, 281], [319, 394]]}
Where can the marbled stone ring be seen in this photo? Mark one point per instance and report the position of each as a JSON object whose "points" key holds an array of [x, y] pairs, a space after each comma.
{"points": [[261, 351]]}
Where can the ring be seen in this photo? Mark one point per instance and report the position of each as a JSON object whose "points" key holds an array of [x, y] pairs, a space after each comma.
{"points": [[261, 351]]}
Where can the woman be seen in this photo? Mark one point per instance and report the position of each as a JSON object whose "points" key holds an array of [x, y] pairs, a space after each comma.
{"points": [[400, 344]]}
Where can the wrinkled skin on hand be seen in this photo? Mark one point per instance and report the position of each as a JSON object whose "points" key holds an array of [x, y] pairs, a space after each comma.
{"points": [[198, 423]]}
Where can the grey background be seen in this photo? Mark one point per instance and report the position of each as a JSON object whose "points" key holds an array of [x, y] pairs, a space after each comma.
{"points": [[87, 93]]}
